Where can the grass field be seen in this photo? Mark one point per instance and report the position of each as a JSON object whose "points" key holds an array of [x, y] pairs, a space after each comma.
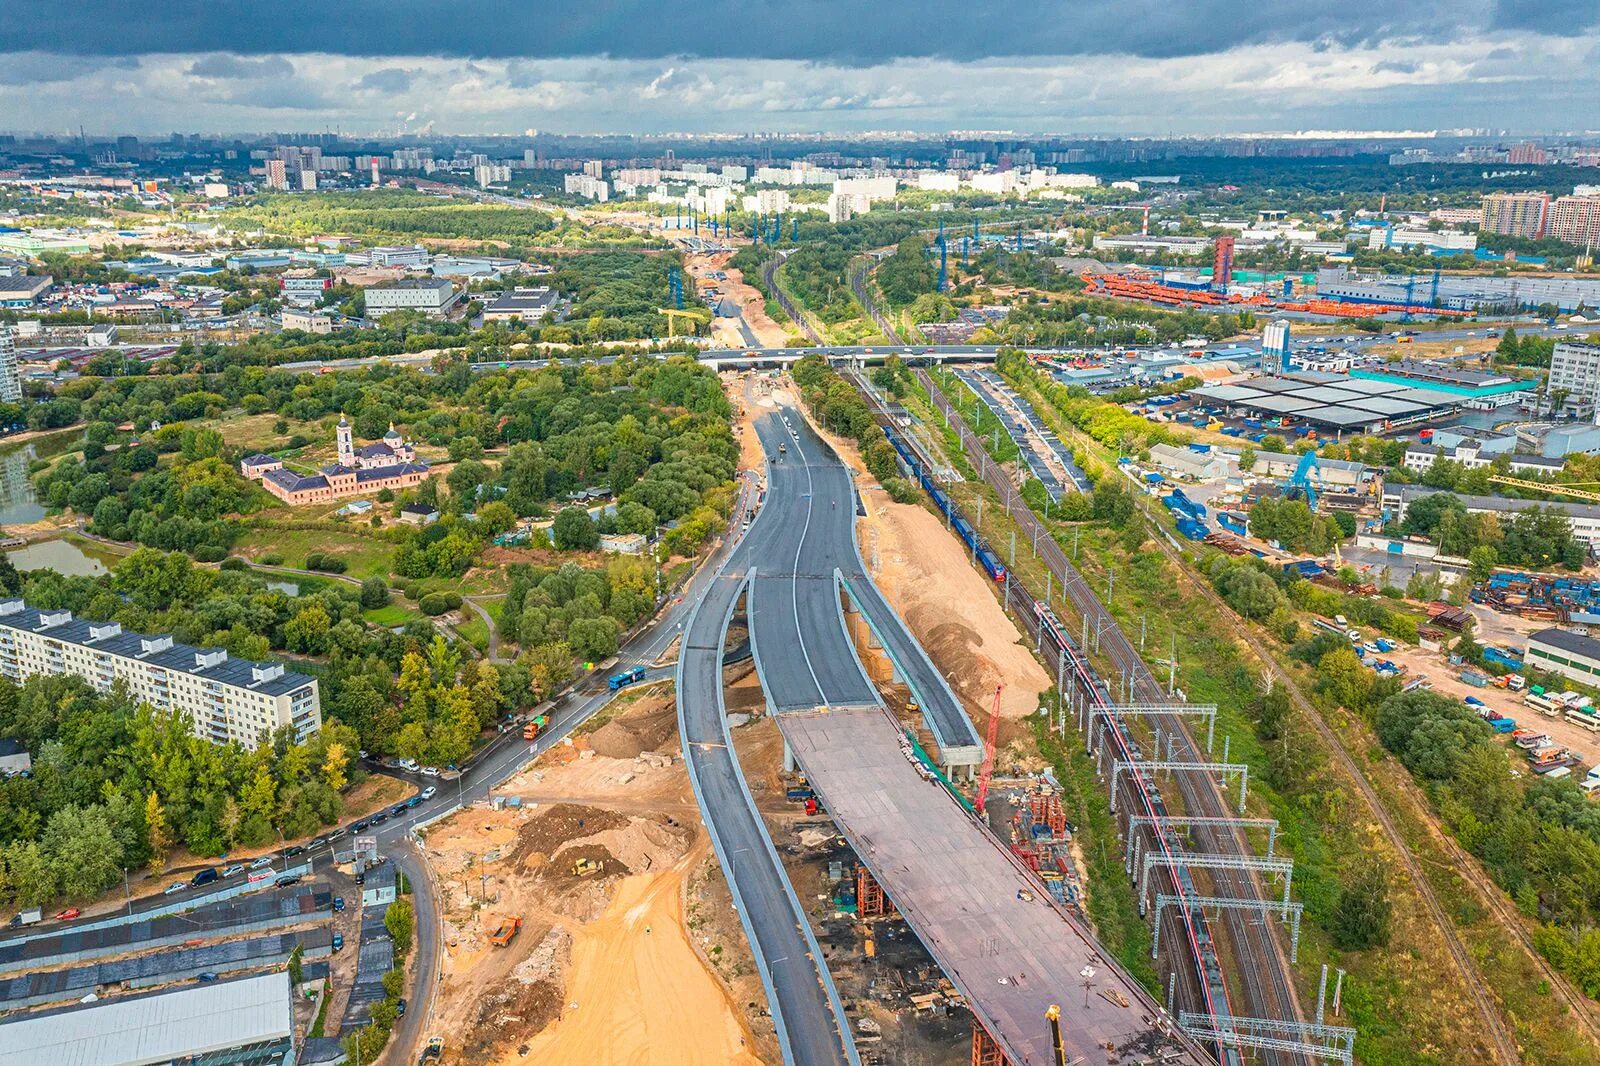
{"points": [[363, 556]]}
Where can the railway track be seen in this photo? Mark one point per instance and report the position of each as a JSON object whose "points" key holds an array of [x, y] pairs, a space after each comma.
{"points": [[1261, 964], [862, 288], [1505, 1045], [769, 274]]}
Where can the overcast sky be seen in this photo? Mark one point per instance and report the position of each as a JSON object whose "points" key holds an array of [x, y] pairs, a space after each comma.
{"points": [[1066, 66]]}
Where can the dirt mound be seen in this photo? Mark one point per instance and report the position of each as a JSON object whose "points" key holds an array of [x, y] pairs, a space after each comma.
{"points": [[627, 737], [514, 1013], [560, 824]]}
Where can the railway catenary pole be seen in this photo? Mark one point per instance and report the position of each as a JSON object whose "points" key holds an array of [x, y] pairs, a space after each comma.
{"points": [[1263, 966]]}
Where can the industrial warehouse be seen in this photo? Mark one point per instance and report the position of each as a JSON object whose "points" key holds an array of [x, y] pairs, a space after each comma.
{"points": [[1331, 401]]}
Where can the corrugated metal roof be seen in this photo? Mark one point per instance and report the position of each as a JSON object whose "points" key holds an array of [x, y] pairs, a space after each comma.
{"points": [[146, 1030]]}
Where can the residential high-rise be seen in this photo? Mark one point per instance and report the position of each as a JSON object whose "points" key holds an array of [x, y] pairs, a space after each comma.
{"points": [[1516, 214], [225, 699], [1575, 219], [277, 175], [1574, 377], [10, 382]]}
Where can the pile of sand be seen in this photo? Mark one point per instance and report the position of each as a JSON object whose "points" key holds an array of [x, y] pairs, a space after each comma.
{"points": [[924, 572]]}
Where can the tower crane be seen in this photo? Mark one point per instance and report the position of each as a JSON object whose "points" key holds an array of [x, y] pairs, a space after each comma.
{"points": [[987, 770]]}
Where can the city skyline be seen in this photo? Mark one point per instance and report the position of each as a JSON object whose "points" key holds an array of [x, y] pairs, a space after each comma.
{"points": [[1099, 68]]}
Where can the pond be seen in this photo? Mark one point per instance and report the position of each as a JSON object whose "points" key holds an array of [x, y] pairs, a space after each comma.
{"points": [[62, 556], [18, 502]]}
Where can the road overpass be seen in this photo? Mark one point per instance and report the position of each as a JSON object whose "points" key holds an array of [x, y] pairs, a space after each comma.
{"points": [[1006, 945]]}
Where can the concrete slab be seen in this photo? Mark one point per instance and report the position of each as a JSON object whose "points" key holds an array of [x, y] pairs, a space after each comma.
{"points": [[959, 889]]}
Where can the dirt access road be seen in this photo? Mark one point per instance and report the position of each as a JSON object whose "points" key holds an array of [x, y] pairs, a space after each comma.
{"points": [[751, 303]]}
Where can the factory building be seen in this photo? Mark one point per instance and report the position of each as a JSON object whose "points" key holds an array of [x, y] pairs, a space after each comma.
{"points": [[1478, 389], [1585, 517], [1568, 654], [1459, 292], [226, 699], [246, 1022], [1194, 465], [431, 296]]}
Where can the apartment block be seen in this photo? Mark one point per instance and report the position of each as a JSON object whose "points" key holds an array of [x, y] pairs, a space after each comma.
{"points": [[1575, 219], [1519, 214], [225, 699]]}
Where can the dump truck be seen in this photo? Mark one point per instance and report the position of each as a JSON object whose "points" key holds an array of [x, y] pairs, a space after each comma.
{"points": [[585, 867], [434, 1051], [506, 931], [535, 726]]}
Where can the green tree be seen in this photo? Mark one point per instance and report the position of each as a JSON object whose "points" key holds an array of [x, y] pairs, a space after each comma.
{"points": [[400, 921], [574, 530], [1363, 912]]}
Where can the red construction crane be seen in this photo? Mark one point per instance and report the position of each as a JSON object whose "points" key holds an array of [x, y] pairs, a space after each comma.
{"points": [[987, 770]]}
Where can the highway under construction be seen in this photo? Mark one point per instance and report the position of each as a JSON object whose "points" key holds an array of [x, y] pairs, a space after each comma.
{"points": [[1009, 947]]}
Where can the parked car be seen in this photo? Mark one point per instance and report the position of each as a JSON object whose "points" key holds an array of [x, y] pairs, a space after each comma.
{"points": [[338, 903], [68, 914], [290, 853], [335, 835], [429, 792], [399, 1008], [236, 868], [379, 818], [358, 827], [410, 803], [265, 860], [409, 764], [176, 886], [320, 842], [361, 877], [338, 941], [286, 880], [204, 877], [430, 771]]}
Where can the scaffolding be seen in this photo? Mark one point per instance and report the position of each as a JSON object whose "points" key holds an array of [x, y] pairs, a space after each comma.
{"points": [[1285, 909], [985, 1052], [1041, 839], [871, 901]]}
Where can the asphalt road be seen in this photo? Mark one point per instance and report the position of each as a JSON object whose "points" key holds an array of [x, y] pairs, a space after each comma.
{"points": [[806, 1010], [798, 602]]}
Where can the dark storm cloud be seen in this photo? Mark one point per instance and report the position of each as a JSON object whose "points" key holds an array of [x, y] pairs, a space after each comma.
{"points": [[390, 80], [232, 68], [829, 30]]}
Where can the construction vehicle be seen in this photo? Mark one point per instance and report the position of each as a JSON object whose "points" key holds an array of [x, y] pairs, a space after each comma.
{"points": [[987, 770], [585, 867], [1060, 1052], [434, 1051], [506, 931], [534, 726]]}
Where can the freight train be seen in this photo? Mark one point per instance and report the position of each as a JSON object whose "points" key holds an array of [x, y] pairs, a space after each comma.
{"points": [[975, 543]]}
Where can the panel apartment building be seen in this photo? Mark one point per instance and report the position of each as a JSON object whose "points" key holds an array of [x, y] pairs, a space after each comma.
{"points": [[226, 699]]}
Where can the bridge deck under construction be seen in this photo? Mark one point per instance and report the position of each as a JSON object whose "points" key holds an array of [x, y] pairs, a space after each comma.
{"points": [[961, 891]]}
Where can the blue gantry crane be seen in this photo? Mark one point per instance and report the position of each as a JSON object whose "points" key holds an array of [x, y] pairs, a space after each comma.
{"points": [[1307, 479]]}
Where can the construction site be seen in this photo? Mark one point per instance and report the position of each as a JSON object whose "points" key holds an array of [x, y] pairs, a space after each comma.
{"points": [[581, 920]]}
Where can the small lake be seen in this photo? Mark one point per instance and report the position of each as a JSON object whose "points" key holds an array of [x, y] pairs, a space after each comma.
{"points": [[62, 556], [18, 502]]}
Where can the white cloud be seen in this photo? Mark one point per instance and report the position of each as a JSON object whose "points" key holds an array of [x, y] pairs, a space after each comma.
{"points": [[1512, 80]]}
